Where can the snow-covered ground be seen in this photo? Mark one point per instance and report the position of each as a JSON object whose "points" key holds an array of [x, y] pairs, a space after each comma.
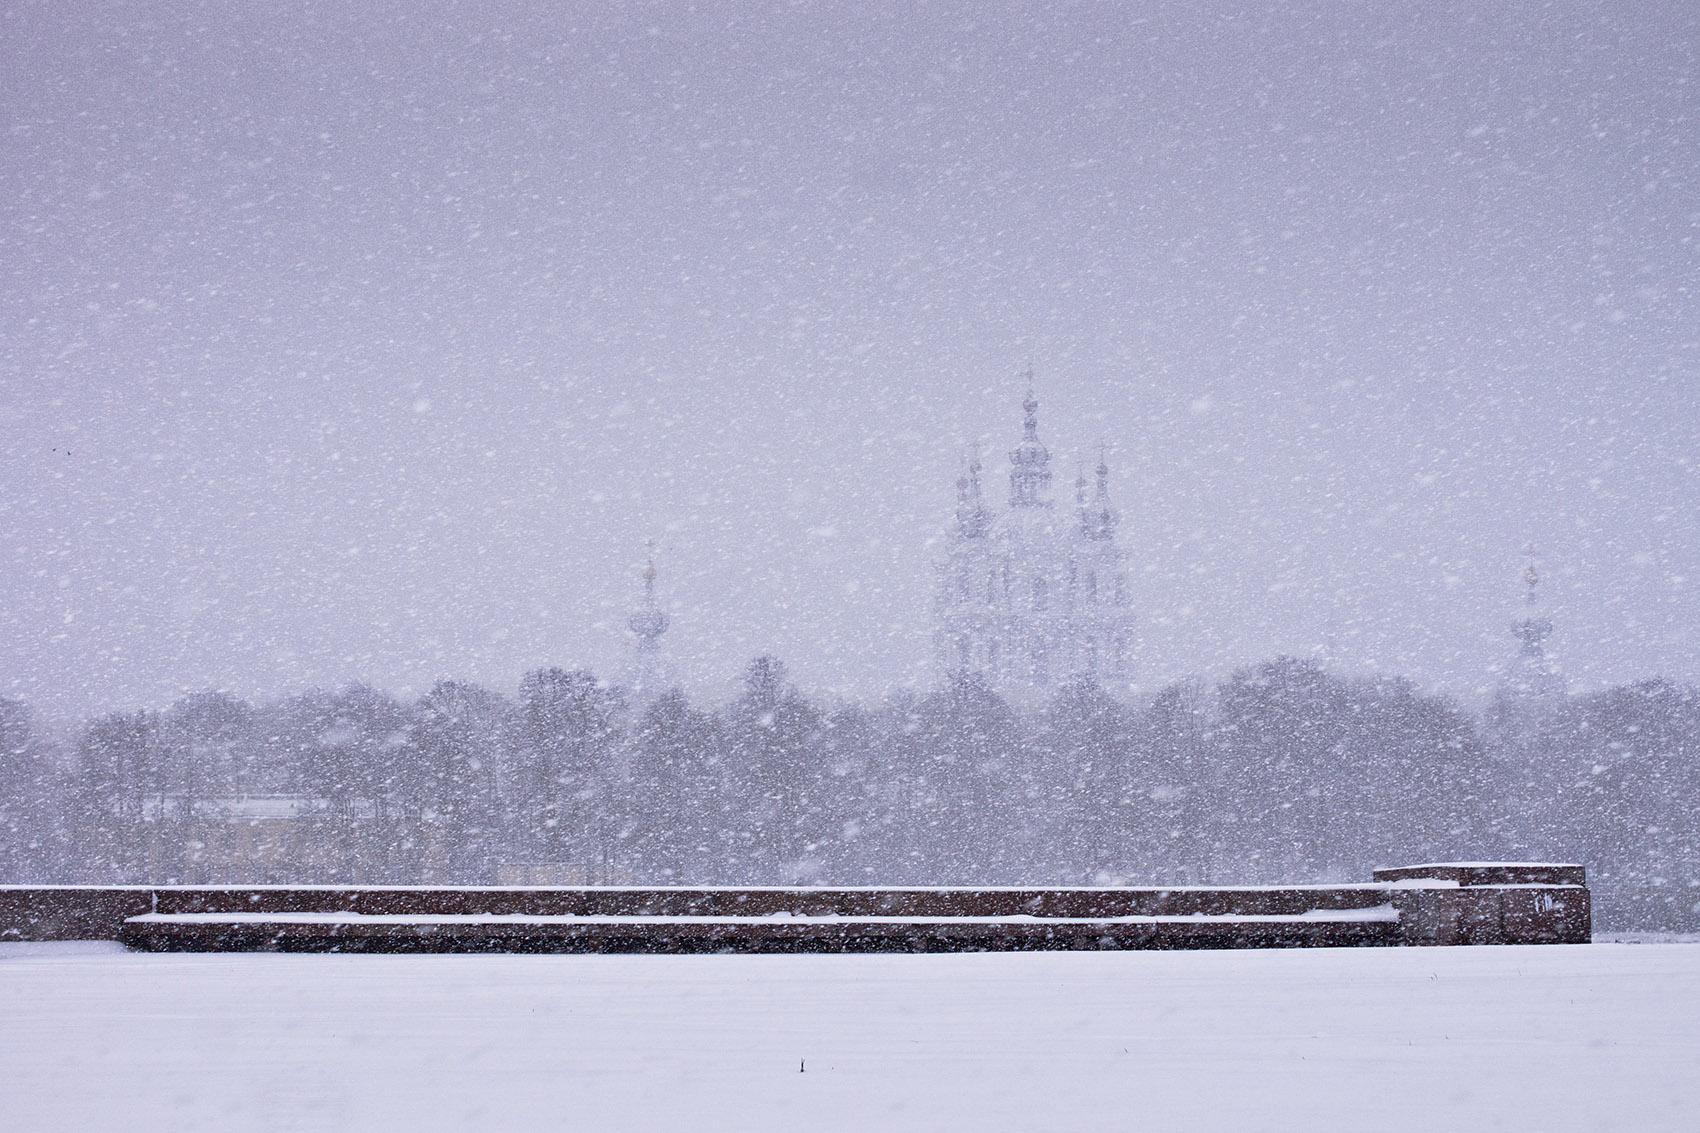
{"points": [[1597, 1036]]}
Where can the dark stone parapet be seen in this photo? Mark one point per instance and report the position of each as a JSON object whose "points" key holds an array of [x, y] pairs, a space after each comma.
{"points": [[70, 912], [1454, 903], [1493, 903]]}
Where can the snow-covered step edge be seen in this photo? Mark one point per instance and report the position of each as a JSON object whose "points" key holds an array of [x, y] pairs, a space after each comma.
{"points": [[1386, 913], [332, 932]]}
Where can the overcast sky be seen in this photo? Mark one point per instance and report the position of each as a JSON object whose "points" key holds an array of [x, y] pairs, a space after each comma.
{"points": [[373, 342]]}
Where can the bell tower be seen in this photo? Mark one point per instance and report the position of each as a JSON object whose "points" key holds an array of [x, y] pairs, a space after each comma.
{"points": [[1030, 472], [647, 624], [1533, 674]]}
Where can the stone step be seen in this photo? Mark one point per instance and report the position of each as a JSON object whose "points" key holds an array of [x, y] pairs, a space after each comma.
{"points": [[747, 901], [1488, 873], [489, 932]]}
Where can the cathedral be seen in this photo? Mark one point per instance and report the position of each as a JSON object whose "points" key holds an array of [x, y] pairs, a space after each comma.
{"points": [[1032, 596]]}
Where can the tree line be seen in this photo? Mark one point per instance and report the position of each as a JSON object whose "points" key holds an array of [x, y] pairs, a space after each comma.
{"points": [[1282, 772]]}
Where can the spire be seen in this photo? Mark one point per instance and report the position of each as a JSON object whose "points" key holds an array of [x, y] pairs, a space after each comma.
{"points": [[1099, 520], [648, 622], [1535, 673], [972, 519], [649, 677], [1030, 475]]}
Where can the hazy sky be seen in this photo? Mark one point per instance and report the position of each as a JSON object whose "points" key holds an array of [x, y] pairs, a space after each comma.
{"points": [[372, 342]]}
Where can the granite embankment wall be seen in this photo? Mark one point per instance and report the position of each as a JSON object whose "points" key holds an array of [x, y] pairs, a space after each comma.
{"points": [[1442, 904]]}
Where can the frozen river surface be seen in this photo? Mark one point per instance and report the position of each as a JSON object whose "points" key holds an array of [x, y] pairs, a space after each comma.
{"points": [[1603, 1036]]}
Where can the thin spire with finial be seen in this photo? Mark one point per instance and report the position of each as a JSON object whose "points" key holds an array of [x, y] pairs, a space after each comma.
{"points": [[971, 517], [1099, 521], [1535, 673], [649, 622], [1030, 475]]}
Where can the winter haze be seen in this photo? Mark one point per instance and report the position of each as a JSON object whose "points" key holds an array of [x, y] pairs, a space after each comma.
{"points": [[376, 342]]}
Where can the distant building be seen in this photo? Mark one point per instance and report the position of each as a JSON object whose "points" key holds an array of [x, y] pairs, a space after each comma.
{"points": [[649, 676], [249, 839], [1533, 675], [1529, 695], [1033, 595]]}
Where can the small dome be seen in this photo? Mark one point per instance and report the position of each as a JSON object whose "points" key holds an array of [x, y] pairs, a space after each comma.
{"points": [[648, 623]]}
